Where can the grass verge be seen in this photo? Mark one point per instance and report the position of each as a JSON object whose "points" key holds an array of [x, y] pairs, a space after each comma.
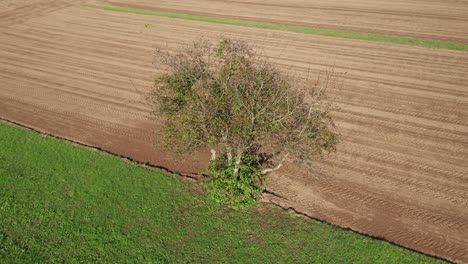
{"points": [[62, 203], [297, 29]]}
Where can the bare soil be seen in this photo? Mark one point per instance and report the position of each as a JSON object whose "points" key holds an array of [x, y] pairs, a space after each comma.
{"points": [[401, 171], [432, 20]]}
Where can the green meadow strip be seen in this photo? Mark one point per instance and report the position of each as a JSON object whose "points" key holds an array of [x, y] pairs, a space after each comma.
{"points": [[297, 29], [61, 203]]}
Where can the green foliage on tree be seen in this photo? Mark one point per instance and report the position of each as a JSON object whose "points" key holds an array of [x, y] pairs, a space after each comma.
{"points": [[249, 114]]}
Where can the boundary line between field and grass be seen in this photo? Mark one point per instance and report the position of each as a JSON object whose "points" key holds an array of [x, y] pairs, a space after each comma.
{"points": [[296, 29]]}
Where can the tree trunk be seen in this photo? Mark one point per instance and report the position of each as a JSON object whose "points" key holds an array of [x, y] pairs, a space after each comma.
{"points": [[239, 155], [213, 154], [229, 155]]}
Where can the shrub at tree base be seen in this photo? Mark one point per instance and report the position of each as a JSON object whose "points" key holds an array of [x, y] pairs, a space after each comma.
{"points": [[250, 115], [237, 190]]}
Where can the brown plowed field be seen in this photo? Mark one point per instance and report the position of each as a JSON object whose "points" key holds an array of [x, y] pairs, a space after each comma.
{"points": [[401, 171], [443, 20]]}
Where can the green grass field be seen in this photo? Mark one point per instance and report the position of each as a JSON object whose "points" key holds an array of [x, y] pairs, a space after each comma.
{"points": [[297, 29], [63, 203]]}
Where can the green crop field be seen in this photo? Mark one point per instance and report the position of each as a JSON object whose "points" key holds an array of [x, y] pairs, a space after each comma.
{"points": [[63, 203]]}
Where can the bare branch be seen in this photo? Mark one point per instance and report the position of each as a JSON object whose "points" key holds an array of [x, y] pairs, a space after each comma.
{"points": [[280, 164]]}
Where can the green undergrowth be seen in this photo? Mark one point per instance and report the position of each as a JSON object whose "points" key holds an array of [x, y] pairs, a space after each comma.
{"points": [[236, 191], [64, 203], [297, 29]]}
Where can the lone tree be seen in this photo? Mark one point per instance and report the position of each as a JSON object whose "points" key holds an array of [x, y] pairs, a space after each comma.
{"points": [[250, 115]]}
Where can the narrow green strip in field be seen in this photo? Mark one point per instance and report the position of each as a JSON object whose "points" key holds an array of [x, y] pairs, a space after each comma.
{"points": [[63, 203], [297, 29]]}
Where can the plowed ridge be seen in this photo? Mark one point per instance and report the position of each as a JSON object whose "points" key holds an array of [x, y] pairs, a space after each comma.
{"points": [[400, 172], [430, 20]]}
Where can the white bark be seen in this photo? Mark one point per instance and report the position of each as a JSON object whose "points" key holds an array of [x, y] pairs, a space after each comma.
{"points": [[213, 154], [238, 160], [267, 170], [229, 155]]}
